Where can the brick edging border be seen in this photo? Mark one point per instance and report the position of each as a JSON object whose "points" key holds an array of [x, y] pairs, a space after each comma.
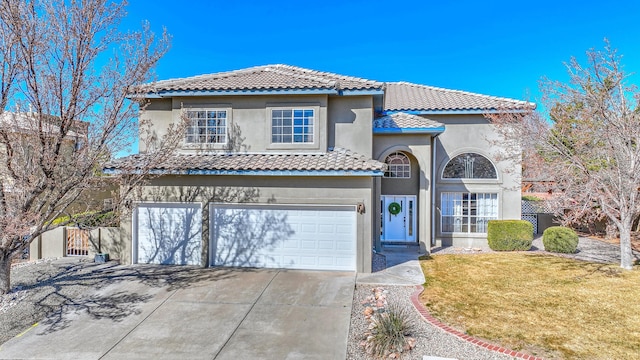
{"points": [[415, 299]]}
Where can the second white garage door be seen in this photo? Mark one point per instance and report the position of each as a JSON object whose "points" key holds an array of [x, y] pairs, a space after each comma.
{"points": [[294, 237]]}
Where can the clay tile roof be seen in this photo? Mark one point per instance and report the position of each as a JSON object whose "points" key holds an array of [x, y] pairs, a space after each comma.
{"points": [[338, 159], [404, 96], [405, 121], [268, 77]]}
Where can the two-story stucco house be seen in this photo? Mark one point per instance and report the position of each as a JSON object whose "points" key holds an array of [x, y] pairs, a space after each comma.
{"points": [[294, 168]]}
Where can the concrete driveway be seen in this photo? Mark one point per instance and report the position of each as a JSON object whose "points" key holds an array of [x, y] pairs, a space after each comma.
{"points": [[215, 314]]}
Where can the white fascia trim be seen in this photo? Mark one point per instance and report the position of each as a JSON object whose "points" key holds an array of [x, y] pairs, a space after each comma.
{"points": [[361, 92], [112, 171], [436, 130], [454, 112], [168, 94]]}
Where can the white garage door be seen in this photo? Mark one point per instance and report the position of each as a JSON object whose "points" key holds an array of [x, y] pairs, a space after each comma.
{"points": [[294, 237], [168, 234]]}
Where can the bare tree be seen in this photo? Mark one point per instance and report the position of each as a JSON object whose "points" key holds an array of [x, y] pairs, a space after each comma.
{"points": [[70, 94], [589, 146]]}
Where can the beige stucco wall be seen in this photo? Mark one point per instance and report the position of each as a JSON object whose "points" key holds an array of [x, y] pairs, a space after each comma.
{"points": [[50, 244], [341, 120], [159, 113], [350, 123], [473, 133], [109, 240], [248, 120], [268, 190], [410, 186]]}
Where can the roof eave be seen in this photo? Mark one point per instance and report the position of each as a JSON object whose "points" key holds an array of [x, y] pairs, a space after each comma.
{"points": [[114, 171], [457, 111], [357, 92], [175, 93], [393, 131], [311, 91]]}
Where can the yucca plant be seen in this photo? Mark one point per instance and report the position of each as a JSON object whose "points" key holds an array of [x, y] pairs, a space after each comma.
{"points": [[390, 332]]}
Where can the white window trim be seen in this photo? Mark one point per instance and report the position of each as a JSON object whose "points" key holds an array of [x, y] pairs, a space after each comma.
{"points": [[442, 179], [220, 145], [407, 165], [468, 216], [293, 145]]}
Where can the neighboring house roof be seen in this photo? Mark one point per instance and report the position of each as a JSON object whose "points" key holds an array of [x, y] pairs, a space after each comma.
{"points": [[267, 77], [404, 96], [336, 162], [28, 122], [406, 124]]}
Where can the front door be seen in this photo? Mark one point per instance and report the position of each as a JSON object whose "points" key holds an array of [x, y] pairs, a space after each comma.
{"points": [[398, 218]]}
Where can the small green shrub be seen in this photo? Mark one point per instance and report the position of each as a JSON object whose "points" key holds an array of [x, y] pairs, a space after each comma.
{"points": [[531, 198], [88, 219], [510, 235], [560, 239], [391, 332]]}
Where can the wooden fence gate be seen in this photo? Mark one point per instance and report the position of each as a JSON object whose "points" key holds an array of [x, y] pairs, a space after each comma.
{"points": [[77, 242]]}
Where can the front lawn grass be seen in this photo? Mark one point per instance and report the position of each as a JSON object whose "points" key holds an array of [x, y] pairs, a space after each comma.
{"points": [[544, 305]]}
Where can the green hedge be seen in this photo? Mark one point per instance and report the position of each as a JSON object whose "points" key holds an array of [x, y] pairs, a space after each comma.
{"points": [[510, 235], [88, 219], [531, 198], [560, 239]]}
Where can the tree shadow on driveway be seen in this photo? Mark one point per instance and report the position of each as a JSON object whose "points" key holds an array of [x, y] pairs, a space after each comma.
{"points": [[52, 294]]}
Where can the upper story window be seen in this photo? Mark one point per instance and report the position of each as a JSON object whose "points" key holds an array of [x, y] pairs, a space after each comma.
{"points": [[398, 166], [206, 127], [289, 126], [469, 166]]}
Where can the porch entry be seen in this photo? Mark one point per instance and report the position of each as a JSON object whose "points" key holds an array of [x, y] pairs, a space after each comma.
{"points": [[398, 217]]}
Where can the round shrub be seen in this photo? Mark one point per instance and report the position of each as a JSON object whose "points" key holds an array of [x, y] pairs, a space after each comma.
{"points": [[560, 239], [509, 235]]}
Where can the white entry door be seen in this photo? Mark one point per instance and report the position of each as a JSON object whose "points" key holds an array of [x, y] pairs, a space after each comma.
{"points": [[398, 218]]}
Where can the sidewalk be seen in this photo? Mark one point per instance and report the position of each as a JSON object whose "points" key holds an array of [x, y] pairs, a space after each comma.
{"points": [[402, 267]]}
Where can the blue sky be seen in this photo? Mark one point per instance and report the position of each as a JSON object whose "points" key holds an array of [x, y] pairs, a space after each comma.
{"points": [[500, 48]]}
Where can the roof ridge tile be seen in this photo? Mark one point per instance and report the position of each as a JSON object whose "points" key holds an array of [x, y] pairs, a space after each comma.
{"points": [[399, 95], [258, 77]]}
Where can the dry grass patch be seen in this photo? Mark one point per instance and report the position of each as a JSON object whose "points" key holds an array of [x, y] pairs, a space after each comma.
{"points": [[544, 305]]}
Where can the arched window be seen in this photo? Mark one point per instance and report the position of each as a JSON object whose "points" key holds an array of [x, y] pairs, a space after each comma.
{"points": [[398, 165], [469, 166]]}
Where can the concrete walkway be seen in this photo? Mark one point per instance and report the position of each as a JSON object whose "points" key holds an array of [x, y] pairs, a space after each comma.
{"points": [[224, 314], [403, 267]]}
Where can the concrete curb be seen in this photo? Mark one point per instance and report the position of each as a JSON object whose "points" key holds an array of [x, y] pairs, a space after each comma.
{"points": [[415, 299]]}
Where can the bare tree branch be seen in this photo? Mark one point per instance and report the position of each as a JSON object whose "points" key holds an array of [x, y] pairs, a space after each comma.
{"points": [[70, 92], [589, 145]]}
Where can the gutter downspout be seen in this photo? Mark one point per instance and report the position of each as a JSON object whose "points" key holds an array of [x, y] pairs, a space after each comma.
{"points": [[433, 192]]}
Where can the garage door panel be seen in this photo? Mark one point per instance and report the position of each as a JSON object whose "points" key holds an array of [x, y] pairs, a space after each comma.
{"points": [[343, 261], [309, 228], [169, 234], [326, 228], [343, 229], [290, 244], [283, 237], [344, 247], [246, 237]]}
